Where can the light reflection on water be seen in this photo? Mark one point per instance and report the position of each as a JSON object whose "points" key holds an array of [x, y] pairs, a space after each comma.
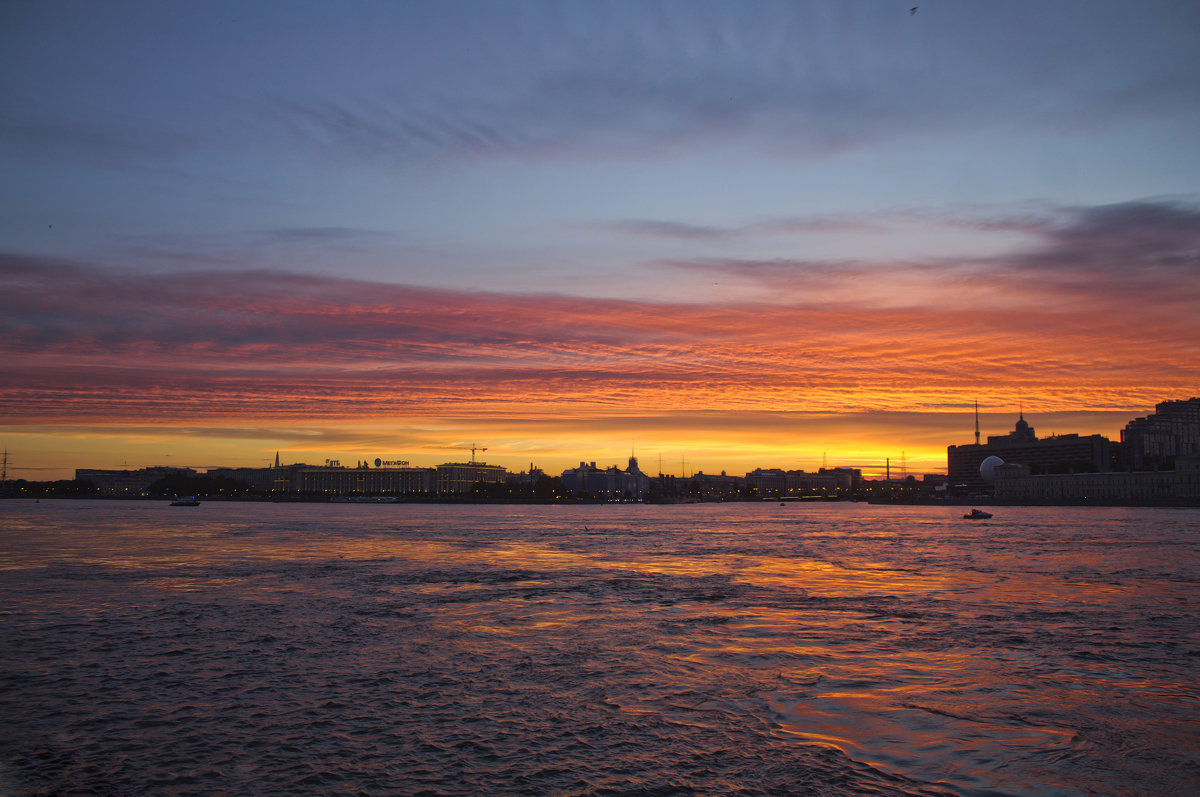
{"points": [[709, 649]]}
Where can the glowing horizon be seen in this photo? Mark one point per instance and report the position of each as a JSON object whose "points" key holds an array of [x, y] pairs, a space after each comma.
{"points": [[60, 450]]}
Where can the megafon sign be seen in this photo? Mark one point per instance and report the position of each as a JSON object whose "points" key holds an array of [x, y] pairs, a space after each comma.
{"points": [[391, 463]]}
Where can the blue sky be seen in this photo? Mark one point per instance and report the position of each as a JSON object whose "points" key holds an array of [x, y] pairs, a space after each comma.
{"points": [[515, 138], [842, 157]]}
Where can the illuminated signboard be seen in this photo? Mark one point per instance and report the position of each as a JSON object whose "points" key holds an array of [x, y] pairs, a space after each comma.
{"points": [[390, 463]]}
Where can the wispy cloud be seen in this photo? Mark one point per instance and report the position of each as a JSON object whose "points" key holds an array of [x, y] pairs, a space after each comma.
{"points": [[239, 248], [414, 82], [799, 225], [669, 230], [1119, 237], [585, 80], [82, 342], [1114, 258]]}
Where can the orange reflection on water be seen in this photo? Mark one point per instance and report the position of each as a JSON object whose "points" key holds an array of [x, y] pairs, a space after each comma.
{"points": [[838, 580]]}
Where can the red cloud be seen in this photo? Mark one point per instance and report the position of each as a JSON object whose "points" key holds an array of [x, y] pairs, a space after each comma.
{"points": [[79, 343]]}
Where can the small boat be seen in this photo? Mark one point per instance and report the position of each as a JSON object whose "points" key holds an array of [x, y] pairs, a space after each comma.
{"points": [[977, 514], [189, 501]]}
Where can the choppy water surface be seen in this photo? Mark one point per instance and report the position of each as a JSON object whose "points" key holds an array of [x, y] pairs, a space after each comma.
{"points": [[829, 649]]}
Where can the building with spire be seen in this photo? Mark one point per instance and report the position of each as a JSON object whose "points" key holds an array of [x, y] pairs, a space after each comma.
{"points": [[1067, 453], [612, 483]]}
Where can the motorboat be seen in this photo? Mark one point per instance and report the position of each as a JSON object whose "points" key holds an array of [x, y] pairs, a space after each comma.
{"points": [[977, 514], [189, 501]]}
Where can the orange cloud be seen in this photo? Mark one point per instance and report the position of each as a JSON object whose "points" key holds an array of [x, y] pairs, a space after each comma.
{"points": [[265, 349], [220, 344]]}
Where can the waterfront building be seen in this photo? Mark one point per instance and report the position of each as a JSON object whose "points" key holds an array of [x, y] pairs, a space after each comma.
{"points": [[334, 479], [711, 487], [1067, 453], [364, 480], [769, 482], [281, 479], [524, 478], [464, 477], [1015, 484], [778, 483], [847, 478], [1153, 442], [128, 483], [610, 483]]}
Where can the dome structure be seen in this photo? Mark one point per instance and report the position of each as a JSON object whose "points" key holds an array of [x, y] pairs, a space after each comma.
{"points": [[1023, 431], [987, 468]]}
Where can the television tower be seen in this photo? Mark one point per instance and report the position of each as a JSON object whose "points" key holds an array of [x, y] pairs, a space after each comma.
{"points": [[976, 422]]}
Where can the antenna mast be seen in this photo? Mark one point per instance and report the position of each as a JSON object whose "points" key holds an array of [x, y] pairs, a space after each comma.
{"points": [[976, 423]]}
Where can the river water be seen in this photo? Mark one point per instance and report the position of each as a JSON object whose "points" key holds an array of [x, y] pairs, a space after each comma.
{"points": [[714, 649]]}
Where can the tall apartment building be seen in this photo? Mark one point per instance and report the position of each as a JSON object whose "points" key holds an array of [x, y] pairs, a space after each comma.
{"points": [[1153, 442]]}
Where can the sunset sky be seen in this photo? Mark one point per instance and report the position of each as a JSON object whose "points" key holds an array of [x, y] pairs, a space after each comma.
{"points": [[726, 235]]}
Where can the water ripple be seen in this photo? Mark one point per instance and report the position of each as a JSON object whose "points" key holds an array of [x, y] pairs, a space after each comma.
{"points": [[836, 650]]}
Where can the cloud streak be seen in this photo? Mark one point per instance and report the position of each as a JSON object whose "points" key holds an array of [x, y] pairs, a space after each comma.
{"points": [[1115, 258], [80, 342], [583, 80], [680, 231]]}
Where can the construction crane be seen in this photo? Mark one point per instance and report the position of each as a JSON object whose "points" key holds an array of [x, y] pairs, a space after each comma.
{"points": [[475, 448]]}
